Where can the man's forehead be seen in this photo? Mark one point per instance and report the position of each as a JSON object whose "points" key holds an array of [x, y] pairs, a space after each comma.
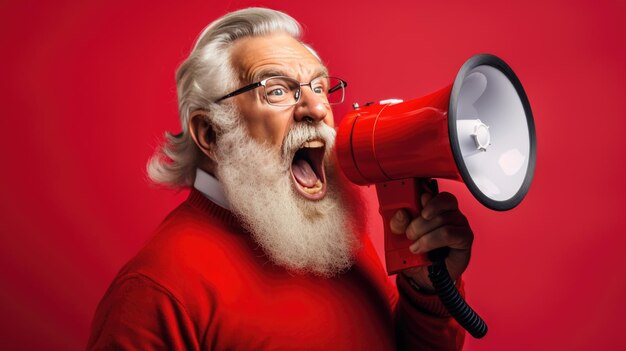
{"points": [[256, 58]]}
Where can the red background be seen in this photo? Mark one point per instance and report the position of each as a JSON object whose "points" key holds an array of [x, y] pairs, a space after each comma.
{"points": [[88, 89]]}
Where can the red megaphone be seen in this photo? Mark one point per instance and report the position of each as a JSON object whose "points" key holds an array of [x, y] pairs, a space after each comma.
{"points": [[479, 130]]}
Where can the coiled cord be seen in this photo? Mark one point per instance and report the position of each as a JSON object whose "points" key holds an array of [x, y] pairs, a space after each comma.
{"points": [[450, 297]]}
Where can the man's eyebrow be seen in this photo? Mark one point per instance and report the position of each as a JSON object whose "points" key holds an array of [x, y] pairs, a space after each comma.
{"points": [[321, 71], [266, 73]]}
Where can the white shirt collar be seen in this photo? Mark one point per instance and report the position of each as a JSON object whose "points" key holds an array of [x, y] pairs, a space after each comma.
{"points": [[211, 188]]}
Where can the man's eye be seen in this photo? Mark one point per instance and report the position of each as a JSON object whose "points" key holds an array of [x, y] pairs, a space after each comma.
{"points": [[318, 90], [276, 92]]}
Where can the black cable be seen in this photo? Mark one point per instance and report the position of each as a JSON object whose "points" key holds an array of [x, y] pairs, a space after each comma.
{"points": [[450, 297]]}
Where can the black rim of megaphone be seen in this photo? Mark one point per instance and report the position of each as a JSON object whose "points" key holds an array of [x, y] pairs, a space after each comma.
{"points": [[496, 62]]}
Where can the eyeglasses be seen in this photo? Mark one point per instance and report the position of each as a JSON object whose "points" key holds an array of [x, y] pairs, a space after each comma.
{"points": [[286, 91]]}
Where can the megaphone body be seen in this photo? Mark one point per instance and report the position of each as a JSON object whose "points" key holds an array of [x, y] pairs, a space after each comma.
{"points": [[479, 130]]}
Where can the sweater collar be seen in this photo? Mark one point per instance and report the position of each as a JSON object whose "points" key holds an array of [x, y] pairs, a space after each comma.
{"points": [[199, 201]]}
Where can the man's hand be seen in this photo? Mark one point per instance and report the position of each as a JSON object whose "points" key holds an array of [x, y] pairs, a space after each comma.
{"points": [[440, 224]]}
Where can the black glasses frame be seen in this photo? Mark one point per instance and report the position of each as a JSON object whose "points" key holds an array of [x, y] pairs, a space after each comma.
{"points": [[342, 84]]}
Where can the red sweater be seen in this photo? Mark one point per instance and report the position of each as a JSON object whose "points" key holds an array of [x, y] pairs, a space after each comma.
{"points": [[201, 283]]}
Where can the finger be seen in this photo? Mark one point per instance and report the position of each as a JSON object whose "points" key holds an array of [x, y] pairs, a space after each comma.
{"points": [[425, 198], [399, 221], [455, 237], [442, 202], [420, 226]]}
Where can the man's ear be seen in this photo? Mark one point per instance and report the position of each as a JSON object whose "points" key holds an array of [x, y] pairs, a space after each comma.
{"points": [[202, 133]]}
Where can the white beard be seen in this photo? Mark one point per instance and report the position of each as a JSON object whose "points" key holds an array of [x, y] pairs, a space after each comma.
{"points": [[319, 237]]}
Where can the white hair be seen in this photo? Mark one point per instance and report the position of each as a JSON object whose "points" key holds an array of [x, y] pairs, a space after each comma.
{"points": [[205, 76]]}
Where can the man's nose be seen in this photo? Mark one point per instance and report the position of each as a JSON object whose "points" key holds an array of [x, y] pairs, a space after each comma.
{"points": [[311, 107]]}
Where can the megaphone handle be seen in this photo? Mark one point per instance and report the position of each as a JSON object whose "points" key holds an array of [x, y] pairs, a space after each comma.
{"points": [[393, 196], [406, 194]]}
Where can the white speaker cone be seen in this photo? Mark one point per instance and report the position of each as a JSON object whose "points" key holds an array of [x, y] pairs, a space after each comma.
{"points": [[492, 132]]}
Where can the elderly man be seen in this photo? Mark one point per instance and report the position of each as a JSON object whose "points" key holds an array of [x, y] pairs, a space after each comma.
{"points": [[268, 250]]}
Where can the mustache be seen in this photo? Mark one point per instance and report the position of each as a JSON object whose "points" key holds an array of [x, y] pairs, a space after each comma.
{"points": [[300, 133]]}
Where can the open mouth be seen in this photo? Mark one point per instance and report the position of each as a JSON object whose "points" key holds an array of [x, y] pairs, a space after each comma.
{"points": [[307, 170]]}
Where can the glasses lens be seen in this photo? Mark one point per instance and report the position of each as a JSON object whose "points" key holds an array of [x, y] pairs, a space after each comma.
{"points": [[335, 91], [285, 91], [281, 91]]}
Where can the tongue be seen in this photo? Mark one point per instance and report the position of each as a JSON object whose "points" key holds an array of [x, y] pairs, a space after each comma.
{"points": [[304, 173]]}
